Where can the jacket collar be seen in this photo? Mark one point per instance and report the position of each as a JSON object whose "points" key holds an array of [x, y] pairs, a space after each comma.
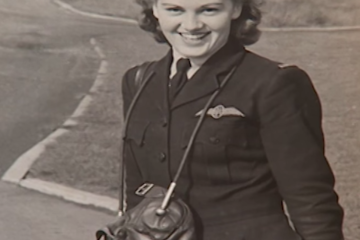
{"points": [[204, 82], [208, 78]]}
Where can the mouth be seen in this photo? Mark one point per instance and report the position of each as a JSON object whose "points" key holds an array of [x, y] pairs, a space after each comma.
{"points": [[194, 36]]}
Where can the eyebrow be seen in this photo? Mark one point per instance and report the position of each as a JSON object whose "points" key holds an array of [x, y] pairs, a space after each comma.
{"points": [[203, 6]]}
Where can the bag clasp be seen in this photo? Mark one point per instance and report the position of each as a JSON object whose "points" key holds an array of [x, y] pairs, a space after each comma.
{"points": [[144, 189]]}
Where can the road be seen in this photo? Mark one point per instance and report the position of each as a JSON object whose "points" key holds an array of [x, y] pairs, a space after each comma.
{"points": [[27, 215], [46, 66]]}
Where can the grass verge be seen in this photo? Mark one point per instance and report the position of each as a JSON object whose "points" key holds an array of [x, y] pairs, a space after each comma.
{"points": [[87, 157], [277, 13]]}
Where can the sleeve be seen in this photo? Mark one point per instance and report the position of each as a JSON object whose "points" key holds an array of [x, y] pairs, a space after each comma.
{"points": [[133, 175], [290, 114]]}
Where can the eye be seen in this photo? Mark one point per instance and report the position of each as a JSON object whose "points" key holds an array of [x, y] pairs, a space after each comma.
{"points": [[210, 10], [174, 10]]}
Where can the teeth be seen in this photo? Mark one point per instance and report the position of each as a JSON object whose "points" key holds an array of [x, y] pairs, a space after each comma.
{"points": [[193, 36]]}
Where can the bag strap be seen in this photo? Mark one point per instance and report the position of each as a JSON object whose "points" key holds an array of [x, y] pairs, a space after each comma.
{"points": [[139, 77], [162, 209], [140, 83], [105, 234]]}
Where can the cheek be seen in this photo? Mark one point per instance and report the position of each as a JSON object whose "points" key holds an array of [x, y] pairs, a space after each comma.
{"points": [[168, 23], [167, 26], [218, 24]]}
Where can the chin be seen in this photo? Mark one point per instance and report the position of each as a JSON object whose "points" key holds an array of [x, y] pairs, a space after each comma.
{"points": [[193, 53]]}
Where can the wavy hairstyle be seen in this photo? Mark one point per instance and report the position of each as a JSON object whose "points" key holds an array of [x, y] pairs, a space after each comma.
{"points": [[244, 28]]}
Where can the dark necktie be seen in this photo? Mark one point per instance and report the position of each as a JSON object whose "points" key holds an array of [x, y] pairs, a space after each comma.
{"points": [[180, 78]]}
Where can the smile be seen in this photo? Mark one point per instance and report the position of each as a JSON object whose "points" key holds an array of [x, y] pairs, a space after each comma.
{"points": [[194, 37]]}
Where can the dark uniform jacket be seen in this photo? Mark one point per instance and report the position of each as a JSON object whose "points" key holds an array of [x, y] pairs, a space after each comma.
{"points": [[241, 167]]}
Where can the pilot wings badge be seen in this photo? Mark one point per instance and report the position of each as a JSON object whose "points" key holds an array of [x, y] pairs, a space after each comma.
{"points": [[220, 111]]}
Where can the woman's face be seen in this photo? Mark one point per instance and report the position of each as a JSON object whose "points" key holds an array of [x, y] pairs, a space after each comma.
{"points": [[196, 28]]}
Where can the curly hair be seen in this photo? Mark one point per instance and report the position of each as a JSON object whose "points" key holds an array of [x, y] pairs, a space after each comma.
{"points": [[244, 28]]}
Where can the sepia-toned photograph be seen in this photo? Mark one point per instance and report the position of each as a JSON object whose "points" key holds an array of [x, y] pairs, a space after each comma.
{"points": [[180, 120]]}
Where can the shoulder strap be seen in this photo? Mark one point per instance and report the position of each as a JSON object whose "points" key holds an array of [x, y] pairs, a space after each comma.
{"points": [[141, 79], [162, 209], [140, 73]]}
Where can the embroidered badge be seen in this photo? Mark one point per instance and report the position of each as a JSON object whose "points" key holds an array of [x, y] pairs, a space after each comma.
{"points": [[220, 111]]}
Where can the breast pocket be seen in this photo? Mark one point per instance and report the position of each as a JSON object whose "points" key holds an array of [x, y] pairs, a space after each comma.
{"points": [[136, 132], [135, 152], [216, 154]]}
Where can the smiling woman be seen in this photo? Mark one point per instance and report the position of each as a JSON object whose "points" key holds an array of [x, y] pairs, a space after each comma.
{"points": [[257, 143], [243, 27], [196, 31]]}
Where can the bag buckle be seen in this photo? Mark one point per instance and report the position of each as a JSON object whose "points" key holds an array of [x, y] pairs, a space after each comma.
{"points": [[143, 189]]}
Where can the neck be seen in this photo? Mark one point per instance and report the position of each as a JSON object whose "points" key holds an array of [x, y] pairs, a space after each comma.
{"points": [[196, 62]]}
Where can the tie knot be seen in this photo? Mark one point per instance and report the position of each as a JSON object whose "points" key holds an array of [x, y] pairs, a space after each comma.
{"points": [[183, 65]]}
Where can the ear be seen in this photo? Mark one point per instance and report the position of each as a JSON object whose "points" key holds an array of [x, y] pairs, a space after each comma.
{"points": [[236, 11], [155, 9]]}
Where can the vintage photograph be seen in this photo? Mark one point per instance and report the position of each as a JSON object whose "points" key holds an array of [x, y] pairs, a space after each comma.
{"points": [[180, 120]]}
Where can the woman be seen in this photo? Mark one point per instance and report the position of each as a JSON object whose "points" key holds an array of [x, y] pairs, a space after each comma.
{"points": [[261, 142]]}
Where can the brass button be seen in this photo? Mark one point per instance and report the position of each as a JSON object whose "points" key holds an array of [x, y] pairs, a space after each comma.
{"points": [[162, 157], [214, 140], [165, 122]]}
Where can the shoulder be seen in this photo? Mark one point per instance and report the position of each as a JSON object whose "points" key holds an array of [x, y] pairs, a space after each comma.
{"points": [[132, 71], [132, 75], [267, 73], [264, 65], [283, 91]]}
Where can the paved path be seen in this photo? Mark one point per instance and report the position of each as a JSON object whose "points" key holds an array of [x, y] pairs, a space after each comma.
{"points": [[27, 215], [46, 66]]}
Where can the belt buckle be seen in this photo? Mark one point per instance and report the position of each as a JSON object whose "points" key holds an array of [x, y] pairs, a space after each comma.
{"points": [[144, 189]]}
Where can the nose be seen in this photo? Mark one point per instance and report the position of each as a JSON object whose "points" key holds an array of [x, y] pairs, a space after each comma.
{"points": [[191, 22]]}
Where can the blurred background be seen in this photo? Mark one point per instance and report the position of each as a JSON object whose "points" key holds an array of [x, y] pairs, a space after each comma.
{"points": [[277, 13]]}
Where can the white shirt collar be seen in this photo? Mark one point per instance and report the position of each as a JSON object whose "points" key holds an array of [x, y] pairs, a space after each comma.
{"points": [[177, 56]]}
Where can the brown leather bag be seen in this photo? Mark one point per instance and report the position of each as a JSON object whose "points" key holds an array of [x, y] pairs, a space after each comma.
{"points": [[145, 223], [160, 215]]}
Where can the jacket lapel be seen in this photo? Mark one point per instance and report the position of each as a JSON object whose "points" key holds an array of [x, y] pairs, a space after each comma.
{"points": [[156, 92], [208, 78], [204, 82]]}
